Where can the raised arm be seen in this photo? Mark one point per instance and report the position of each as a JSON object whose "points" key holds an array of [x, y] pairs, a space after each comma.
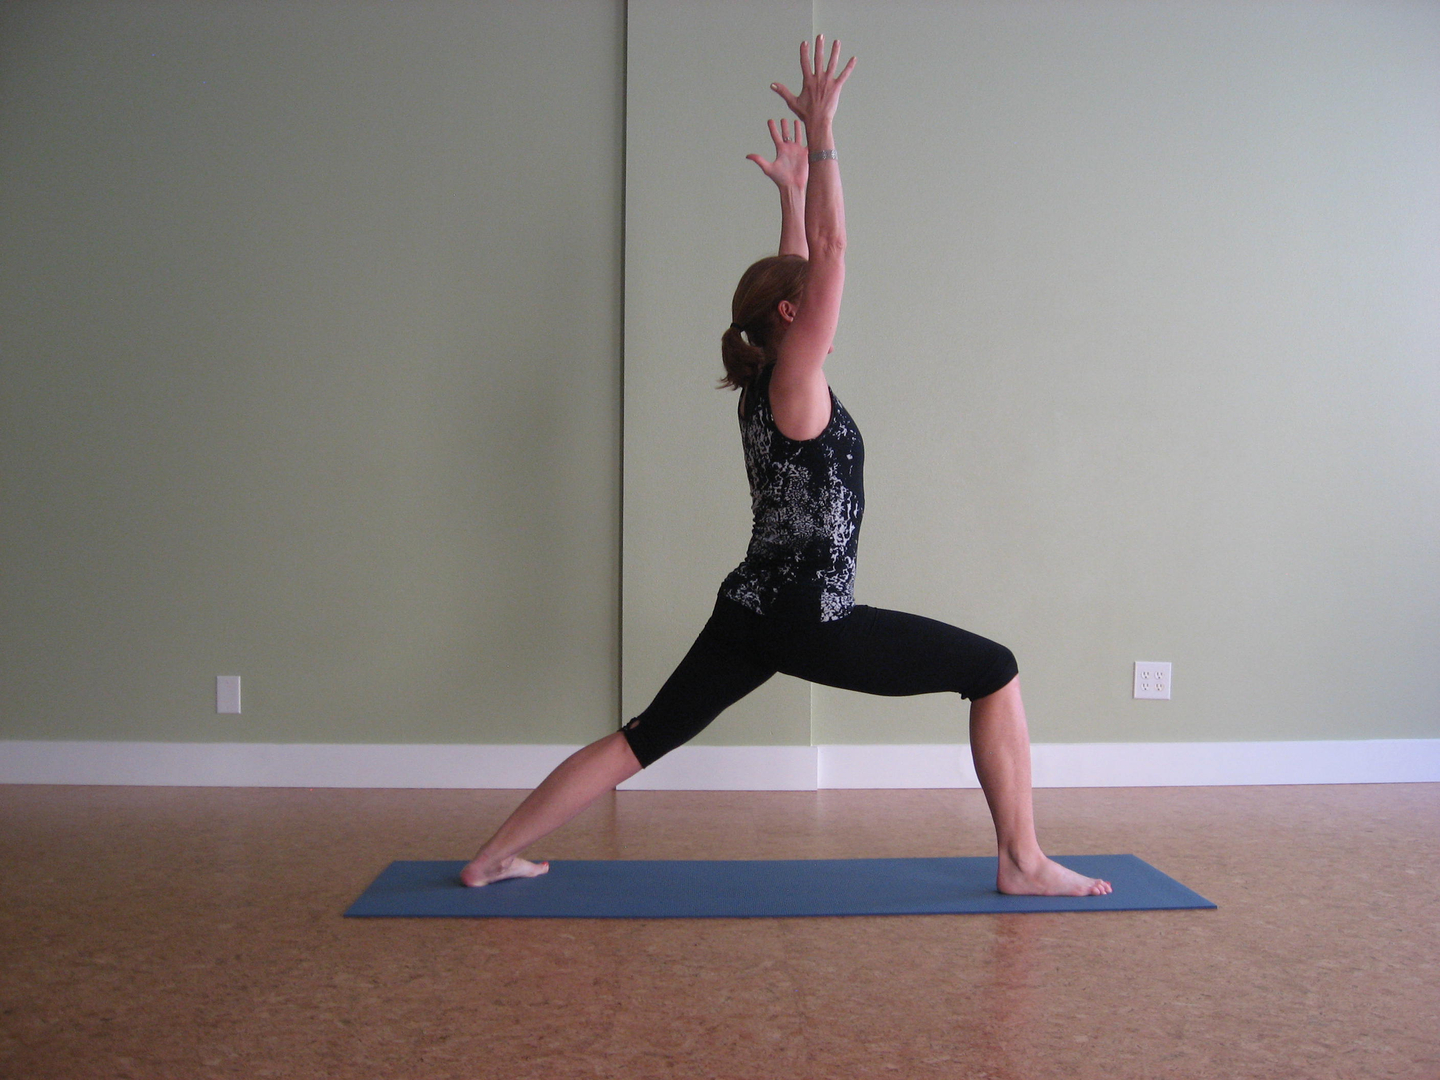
{"points": [[799, 393], [789, 170]]}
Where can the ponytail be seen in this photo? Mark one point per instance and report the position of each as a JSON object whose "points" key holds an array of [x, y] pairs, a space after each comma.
{"points": [[755, 316], [742, 360]]}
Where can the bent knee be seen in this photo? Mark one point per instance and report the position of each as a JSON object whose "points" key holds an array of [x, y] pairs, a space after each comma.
{"points": [[998, 674]]}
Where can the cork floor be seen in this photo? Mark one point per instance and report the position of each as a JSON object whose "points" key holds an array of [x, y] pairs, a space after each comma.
{"points": [[195, 933]]}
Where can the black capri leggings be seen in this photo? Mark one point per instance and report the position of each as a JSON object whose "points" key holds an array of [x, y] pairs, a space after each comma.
{"points": [[871, 650]]}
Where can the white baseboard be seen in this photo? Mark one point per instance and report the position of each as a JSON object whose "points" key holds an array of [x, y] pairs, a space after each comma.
{"points": [[942, 765], [731, 768], [278, 764], [1369, 761], [717, 768]]}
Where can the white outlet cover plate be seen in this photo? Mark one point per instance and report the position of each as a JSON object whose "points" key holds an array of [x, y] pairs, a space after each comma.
{"points": [[227, 694], [1152, 679]]}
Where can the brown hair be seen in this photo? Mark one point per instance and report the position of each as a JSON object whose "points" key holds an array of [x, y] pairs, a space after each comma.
{"points": [[753, 312]]}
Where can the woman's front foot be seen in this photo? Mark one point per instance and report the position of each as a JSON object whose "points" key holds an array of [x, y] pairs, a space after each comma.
{"points": [[1036, 875]]}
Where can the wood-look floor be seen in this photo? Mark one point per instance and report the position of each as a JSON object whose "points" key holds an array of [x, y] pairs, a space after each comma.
{"points": [[193, 933]]}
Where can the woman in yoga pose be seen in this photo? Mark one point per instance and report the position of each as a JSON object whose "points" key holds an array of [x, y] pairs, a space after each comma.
{"points": [[789, 605]]}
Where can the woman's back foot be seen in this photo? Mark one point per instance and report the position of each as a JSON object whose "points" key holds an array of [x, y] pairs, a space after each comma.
{"points": [[1041, 876], [477, 873]]}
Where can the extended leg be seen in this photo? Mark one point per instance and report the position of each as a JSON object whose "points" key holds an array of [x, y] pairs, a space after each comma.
{"points": [[576, 782], [1000, 745], [714, 674]]}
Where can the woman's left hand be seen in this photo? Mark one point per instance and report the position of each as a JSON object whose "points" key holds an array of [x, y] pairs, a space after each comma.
{"points": [[820, 93], [791, 167]]}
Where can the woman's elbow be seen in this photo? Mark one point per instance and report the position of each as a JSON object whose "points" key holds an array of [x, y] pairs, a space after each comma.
{"points": [[829, 247]]}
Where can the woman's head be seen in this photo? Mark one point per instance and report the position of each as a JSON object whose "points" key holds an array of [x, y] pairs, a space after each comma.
{"points": [[755, 310]]}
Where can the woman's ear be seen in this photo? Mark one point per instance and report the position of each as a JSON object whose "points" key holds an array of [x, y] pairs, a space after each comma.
{"points": [[787, 311]]}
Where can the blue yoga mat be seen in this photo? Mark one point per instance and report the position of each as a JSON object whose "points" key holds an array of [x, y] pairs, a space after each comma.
{"points": [[689, 889]]}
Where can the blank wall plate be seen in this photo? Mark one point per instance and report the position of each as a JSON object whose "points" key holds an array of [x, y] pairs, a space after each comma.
{"points": [[1152, 679], [227, 693]]}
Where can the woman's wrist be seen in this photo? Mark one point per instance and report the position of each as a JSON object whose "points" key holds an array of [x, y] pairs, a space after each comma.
{"points": [[819, 136]]}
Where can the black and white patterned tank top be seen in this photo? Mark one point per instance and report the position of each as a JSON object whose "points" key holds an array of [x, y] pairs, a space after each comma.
{"points": [[807, 499]]}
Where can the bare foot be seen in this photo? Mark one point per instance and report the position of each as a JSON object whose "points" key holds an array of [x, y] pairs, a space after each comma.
{"points": [[476, 873], [1045, 877]]}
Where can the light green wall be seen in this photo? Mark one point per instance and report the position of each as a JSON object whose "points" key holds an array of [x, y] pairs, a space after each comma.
{"points": [[311, 320], [1142, 330], [696, 214], [311, 326]]}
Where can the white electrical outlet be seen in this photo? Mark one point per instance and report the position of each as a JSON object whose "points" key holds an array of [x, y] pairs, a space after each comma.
{"points": [[227, 693], [1152, 679]]}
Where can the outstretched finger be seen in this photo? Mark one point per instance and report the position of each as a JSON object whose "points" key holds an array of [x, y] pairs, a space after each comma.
{"points": [[777, 135], [834, 60], [786, 96], [840, 79]]}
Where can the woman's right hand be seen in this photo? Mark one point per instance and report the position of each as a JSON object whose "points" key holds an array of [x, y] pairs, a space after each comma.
{"points": [[791, 167], [820, 91]]}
